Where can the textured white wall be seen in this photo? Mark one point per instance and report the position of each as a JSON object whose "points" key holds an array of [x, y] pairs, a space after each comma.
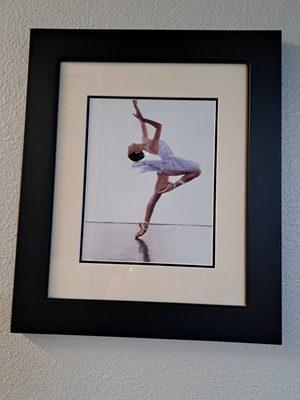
{"points": [[77, 368]]}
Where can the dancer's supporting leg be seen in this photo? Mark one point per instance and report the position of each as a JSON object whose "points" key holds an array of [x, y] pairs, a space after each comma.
{"points": [[189, 176], [161, 182]]}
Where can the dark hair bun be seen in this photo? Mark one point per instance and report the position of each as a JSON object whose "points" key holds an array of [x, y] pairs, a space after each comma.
{"points": [[136, 156]]}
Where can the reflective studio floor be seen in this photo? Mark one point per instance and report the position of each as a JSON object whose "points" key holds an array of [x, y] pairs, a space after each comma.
{"points": [[161, 244]]}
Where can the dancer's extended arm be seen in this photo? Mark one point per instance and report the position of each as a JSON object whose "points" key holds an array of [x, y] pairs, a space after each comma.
{"points": [[143, 124], [157, 126]]}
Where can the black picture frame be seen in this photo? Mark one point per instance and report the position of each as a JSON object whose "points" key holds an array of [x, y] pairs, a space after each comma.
{"points": [[260, 320]]}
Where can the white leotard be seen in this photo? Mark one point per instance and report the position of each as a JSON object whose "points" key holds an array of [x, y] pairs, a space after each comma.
{"points": [[167, 163]]}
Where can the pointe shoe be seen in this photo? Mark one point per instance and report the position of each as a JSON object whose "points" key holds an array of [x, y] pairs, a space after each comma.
{"points": [[170, 186], [143, 229]]}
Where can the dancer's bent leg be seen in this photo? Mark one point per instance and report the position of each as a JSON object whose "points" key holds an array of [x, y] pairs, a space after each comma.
{"points": [[189, 176]]}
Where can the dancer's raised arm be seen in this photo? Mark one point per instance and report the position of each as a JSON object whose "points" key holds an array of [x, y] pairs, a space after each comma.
{"points": [[143, 124], [157, 126]]}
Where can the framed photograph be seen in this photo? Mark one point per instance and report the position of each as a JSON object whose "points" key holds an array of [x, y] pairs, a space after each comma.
{"points": [[185, 220], [151, 186]]}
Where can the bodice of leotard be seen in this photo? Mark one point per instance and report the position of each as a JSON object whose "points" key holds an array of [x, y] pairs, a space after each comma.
{"points": [[164, 150]]}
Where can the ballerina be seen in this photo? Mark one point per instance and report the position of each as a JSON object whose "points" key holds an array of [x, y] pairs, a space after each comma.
{"points": [[167, 165]]}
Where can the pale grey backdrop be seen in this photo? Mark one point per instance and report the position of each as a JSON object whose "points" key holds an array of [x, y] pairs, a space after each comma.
{"points": [[115, 192], [76, 368]]}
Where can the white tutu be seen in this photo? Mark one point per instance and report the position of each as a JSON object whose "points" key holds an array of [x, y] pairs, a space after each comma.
{"points": [[167, 163]]}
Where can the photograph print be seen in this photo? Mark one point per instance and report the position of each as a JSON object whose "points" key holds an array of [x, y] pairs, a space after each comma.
{"points": [[150, 181]]}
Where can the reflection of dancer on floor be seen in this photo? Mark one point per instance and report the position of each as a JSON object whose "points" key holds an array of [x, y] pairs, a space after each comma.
{"points": [[167, 165], [143, 248]]}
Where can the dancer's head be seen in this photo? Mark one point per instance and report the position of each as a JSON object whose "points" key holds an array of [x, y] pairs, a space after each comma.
{"points": [[135, 152]]}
